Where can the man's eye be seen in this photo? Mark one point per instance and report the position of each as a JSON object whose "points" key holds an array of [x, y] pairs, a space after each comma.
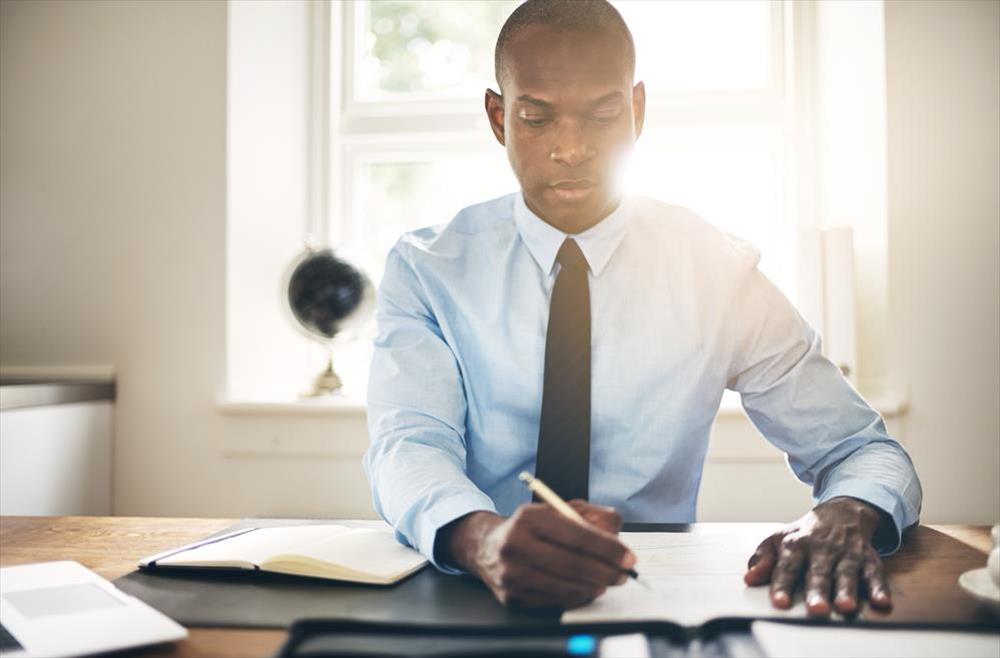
{"points": [[604, 118], [536, 122]]}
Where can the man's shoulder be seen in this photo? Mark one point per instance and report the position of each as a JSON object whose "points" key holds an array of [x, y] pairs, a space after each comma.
{"points": [[472, 223], [679, 227]]}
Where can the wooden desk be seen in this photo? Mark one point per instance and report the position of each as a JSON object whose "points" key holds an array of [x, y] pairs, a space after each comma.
{"points": [[112, 546], [927, 567]]}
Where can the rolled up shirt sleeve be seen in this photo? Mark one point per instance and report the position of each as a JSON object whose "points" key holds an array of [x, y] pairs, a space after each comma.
{"points": [[801, 402], [416, 417]]}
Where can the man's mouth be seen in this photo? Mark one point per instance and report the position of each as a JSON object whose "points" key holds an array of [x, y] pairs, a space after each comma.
{"points": [[573, 189]]}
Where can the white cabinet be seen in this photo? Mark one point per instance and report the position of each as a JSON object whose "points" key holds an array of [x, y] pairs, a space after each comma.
{"points": [[55, 459]]}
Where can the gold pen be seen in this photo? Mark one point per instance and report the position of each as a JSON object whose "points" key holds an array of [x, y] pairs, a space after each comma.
{"points": [[552, 498]]}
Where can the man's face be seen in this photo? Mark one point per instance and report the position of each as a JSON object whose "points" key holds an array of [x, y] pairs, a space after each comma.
{"points": [[569, 118]]}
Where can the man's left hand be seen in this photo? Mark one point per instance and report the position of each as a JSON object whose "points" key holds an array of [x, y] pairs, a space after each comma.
{"points": [[830, 551]]}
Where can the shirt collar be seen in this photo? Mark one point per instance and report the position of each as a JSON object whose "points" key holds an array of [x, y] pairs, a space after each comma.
{"points": [[598, 243]]}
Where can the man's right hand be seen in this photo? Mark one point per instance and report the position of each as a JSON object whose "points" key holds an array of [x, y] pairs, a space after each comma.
{"points": [[539, 558]]}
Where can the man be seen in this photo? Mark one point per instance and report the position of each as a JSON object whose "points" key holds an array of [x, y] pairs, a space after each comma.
{"points": [[589, 337]]}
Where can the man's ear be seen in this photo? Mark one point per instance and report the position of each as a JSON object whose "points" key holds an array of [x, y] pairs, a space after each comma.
{"points": [[639, 106], [495, 113]]}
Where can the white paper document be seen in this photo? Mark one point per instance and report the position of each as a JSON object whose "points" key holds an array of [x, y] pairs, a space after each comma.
{"points": [[692, 577], [780, 640]]}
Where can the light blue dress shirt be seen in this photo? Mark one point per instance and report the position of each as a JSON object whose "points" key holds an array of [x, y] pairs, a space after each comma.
{"points": [[680, 312]]}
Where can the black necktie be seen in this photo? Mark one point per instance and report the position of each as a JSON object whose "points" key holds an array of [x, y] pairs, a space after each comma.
{"points": [[564, 430]]}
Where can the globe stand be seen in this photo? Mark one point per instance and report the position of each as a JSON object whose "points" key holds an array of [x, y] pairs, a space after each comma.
{"points": [[327, 298], [327, 382]]}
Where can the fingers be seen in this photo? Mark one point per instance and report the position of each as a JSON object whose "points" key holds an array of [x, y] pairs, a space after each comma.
{"points": [[552, 527], [845, 577], [826, 572], [873, 576], [524, 586], [791, 557], [566, 564], [832, 544], [846, 586], [539, 558], [818, 583], [605, 518], [762, 562]]}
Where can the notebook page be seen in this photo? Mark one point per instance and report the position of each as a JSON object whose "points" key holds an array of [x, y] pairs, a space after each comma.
{"points": [[364, 550], [257, 546], [781, 640], [693, 578]]}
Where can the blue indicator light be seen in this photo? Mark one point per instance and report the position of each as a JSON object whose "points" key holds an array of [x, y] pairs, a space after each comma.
{"points": [[581, 645]]}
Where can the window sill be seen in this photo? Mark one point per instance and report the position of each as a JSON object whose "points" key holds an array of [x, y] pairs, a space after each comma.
{"points": [[333, 406], [888, 405]]}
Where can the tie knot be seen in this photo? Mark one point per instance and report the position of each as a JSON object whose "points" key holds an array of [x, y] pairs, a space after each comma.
{"points": [[570, 255]]}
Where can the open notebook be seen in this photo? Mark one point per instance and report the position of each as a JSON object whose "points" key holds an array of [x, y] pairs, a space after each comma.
{"points": [[337, 552]]}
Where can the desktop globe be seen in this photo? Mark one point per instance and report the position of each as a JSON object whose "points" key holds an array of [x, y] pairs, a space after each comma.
{"points": [[327, 297]]}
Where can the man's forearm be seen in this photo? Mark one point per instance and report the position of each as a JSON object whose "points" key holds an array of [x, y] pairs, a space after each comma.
{"points": [[456, 543]]}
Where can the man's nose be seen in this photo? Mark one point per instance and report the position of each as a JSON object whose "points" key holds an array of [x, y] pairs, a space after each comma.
{"points": [[572, 147]]}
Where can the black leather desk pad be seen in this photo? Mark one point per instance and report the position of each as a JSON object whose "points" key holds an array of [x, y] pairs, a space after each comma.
{"points": [[263, 600]]}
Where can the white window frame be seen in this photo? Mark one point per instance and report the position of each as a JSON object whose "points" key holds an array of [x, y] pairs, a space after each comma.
{"points": [[344, 131], [360, 128], [363, 131]]}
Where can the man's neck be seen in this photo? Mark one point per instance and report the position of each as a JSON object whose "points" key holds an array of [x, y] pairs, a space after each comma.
{"points": [[575, 227]]}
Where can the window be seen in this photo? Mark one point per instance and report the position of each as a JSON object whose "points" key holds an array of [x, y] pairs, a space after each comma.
{"points": [[739, 94], [411, 144], [410, 117]]}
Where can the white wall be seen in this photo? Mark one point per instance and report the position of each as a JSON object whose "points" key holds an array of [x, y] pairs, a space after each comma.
{"points": [[943, 77], [112, 251]]}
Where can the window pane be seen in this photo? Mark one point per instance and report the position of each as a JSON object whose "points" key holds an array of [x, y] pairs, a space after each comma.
{"points": [[440, 48], [693, 45], [444, 48], [395, 197], [729, 175]]}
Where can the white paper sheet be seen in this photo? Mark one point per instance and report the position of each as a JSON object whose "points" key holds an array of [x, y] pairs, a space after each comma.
{"points": [[780, 640], [694, 577]]}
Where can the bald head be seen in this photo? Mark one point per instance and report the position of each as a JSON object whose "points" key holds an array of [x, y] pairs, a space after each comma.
{"points": [[595, 16]]}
